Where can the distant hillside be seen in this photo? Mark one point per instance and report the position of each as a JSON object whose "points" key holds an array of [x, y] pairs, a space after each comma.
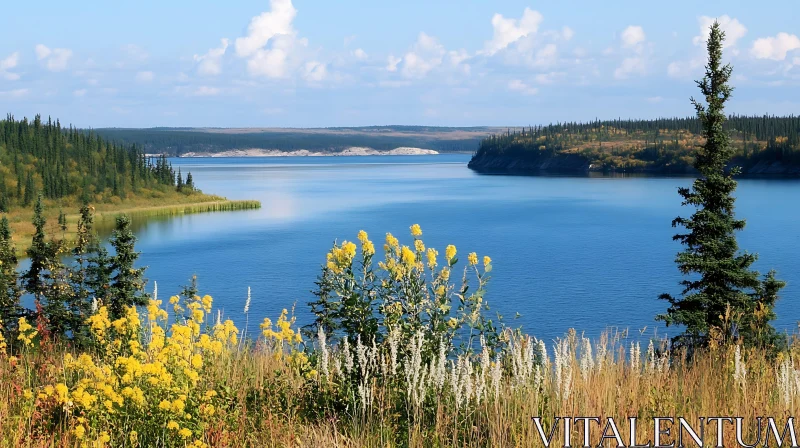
{"points": [[766, 145], [178, 141]]}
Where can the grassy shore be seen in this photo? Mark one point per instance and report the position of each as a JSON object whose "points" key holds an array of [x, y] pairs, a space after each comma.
{"points": [[142, 206]]}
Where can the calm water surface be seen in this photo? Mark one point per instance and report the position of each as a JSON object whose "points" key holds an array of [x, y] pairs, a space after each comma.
{"points": [[588, 253]]}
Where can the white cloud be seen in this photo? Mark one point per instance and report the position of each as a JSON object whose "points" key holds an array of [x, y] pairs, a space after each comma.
{"points": [[775, 48], [360, 54], [567, 33], [519, 86], [634, 44], [271, 46], [79, 92], [631, 66], [275, 61], [734, 30], [205, 91], [16, 93], [314, 71], [145, 76], [547, 55], [392, 62], [7, 64], [211, 62], [41, 51], [457, 59], [425, 55], [655, 99], [632, 36], [508, 31], [264, 27], [55, 59], [548, 78]]}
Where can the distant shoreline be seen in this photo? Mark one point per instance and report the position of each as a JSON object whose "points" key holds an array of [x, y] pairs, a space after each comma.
{"points": [[349, 152]]}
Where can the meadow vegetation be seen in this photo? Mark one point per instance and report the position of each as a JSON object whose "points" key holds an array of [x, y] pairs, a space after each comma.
{"points": [[430, 370]]}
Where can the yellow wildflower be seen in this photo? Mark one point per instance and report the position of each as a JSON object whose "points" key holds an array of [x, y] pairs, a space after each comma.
{"points": [[79, 431], [416, 231], [408, 256], [450, 252], [486, 261], [419, 246], [452, 323], [391, 242], [431, 255], [472, 258], [173, 425], [184, 432]]}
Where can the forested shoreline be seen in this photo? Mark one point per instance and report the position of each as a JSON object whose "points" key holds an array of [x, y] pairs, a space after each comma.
{"points": [[763, 145], [69, 167]]}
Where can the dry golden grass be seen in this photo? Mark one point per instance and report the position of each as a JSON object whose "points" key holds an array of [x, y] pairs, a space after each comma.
{"points": [[271, 403]]}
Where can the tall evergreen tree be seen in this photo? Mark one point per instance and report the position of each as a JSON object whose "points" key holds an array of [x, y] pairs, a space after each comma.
{"points": [[10, 293], [29, 190], [80, 305], [99, 268], [38, 253], [179, 180], [127, 284], [723, 298]]}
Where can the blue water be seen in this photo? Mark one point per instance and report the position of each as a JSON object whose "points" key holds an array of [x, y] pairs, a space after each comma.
{"points": [[588, 253]]}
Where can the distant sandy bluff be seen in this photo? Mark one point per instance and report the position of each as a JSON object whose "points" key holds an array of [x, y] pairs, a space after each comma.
{"points": [[352, 151]]}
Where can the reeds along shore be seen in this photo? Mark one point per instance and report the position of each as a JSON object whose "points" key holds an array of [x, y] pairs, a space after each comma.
{"points": [[177, 373], [106, 214]]}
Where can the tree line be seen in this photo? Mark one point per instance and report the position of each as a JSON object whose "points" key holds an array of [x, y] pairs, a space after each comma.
{"points": [[176, 141], [67, 283], [45, 158], [666, 144]]}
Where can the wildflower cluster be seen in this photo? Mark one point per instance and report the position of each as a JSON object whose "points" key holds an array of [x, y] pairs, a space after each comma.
{"points": [[146, 378], [408, 291]]}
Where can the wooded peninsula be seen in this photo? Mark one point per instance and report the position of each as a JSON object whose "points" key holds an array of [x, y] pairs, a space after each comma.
{"points": [[765, 145]]}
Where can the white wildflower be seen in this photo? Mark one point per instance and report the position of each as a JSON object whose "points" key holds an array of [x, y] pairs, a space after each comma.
{"points": [[587, 362], [324, 355], [497, 373], [348, 357]]}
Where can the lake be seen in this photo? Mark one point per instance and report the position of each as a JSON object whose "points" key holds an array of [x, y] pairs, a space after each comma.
{"points": [[582, 252]]}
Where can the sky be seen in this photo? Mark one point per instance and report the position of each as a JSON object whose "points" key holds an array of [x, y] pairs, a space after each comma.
{"points": [[304, 63]]}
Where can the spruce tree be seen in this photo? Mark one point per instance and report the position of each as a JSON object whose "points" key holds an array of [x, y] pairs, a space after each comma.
{"points": [[179, 181], [723, 299], [29, 190], [38, 253], [80, 305], [99, 268], [10, 293], [127, 284]]}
